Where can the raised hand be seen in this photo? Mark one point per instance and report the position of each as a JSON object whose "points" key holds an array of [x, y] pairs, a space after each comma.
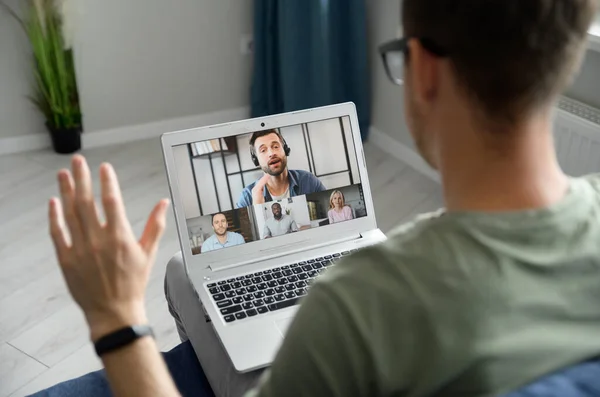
{"points": [[258, 190], [105, 267]]}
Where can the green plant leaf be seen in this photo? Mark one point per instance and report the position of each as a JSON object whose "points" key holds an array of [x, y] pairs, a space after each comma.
{"points": [[56, 91]]}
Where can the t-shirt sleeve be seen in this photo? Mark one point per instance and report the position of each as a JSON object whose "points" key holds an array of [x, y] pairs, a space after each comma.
{"points": [[324, 353], [266, 231], [330, 216]]}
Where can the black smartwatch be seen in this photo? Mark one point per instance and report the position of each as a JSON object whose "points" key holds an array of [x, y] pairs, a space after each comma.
{"points": [[122, 337]]}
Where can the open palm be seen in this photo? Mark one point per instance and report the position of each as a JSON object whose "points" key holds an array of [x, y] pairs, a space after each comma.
{"points": [[106, 268]]}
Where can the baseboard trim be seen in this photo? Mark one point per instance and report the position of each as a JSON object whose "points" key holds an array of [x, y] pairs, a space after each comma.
{"points": [[125, 134], [25, 143], [402, 153]]}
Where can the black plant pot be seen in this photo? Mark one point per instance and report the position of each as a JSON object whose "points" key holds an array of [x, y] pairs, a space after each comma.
{"points": [[66, 140]]}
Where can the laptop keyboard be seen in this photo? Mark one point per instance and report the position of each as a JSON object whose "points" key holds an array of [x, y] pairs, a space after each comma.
{"points": [[268, 290]]}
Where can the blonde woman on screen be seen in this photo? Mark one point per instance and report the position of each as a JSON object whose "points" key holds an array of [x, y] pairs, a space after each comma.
{"points": [[338, 210]]}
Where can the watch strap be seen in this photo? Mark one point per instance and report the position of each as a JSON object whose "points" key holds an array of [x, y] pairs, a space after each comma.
{"points": [[121, 337]]}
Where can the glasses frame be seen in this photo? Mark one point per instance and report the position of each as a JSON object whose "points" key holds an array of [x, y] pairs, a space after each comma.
{"points": [[401, 45]]}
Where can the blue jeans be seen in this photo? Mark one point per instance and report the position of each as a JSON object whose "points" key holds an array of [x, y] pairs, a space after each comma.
{"points": [[183, 365]]}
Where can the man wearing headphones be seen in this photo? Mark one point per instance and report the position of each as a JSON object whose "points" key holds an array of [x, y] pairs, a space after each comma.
{"points": [[270, 151]]}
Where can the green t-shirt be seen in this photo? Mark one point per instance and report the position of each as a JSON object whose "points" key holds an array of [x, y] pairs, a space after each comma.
{"points": [[454, 304]]}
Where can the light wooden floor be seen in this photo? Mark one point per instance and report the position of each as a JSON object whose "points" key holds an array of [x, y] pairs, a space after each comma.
{"points": [[43, 337]]}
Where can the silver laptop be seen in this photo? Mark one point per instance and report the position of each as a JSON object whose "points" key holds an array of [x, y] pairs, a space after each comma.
{"points": [[252, 252]]}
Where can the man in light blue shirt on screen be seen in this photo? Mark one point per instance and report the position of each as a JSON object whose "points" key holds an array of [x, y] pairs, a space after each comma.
{"points": [[222, 238]]}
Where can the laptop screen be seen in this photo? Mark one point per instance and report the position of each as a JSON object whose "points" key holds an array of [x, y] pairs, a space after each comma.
{"points": [[265, 184]]}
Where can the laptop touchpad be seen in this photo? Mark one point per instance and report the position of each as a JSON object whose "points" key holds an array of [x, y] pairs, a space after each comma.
{"points": [[283, 324]]}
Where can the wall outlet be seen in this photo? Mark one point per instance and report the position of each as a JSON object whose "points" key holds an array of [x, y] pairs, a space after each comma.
{"points": [[247, 44]]}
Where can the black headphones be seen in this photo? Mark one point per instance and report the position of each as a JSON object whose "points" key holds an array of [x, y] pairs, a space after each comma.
{"points": [[286, 150]]}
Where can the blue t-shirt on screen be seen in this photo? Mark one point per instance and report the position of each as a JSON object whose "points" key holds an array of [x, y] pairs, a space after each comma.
{"points": [[301, 182]]}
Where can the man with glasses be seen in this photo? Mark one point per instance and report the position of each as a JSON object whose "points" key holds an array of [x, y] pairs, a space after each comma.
{"points": [[500, 288]]}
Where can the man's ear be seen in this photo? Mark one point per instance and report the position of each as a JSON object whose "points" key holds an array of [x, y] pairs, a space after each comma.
{"points": [[424, 70]]}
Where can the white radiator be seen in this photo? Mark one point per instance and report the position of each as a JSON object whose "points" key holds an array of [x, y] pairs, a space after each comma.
{"points": [[577, 137]]}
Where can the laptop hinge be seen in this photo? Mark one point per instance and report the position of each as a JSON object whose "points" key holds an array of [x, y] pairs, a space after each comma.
{"points": [[276, 252]]}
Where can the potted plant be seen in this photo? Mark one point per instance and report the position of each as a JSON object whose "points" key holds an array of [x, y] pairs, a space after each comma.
{"points": [[56, 94]]}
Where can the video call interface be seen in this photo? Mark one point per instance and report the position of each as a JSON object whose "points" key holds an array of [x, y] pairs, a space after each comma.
{"points": [[269, 183]]}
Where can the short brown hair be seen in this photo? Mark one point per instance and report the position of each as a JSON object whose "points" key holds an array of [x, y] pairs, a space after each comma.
{"points": [[259, 134], [217, 213], [510, 56]]}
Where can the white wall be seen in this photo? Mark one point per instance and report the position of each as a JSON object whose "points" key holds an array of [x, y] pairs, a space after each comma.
{"points": [[383, 20], [586, 87], [147, 60], [17, 115]]}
